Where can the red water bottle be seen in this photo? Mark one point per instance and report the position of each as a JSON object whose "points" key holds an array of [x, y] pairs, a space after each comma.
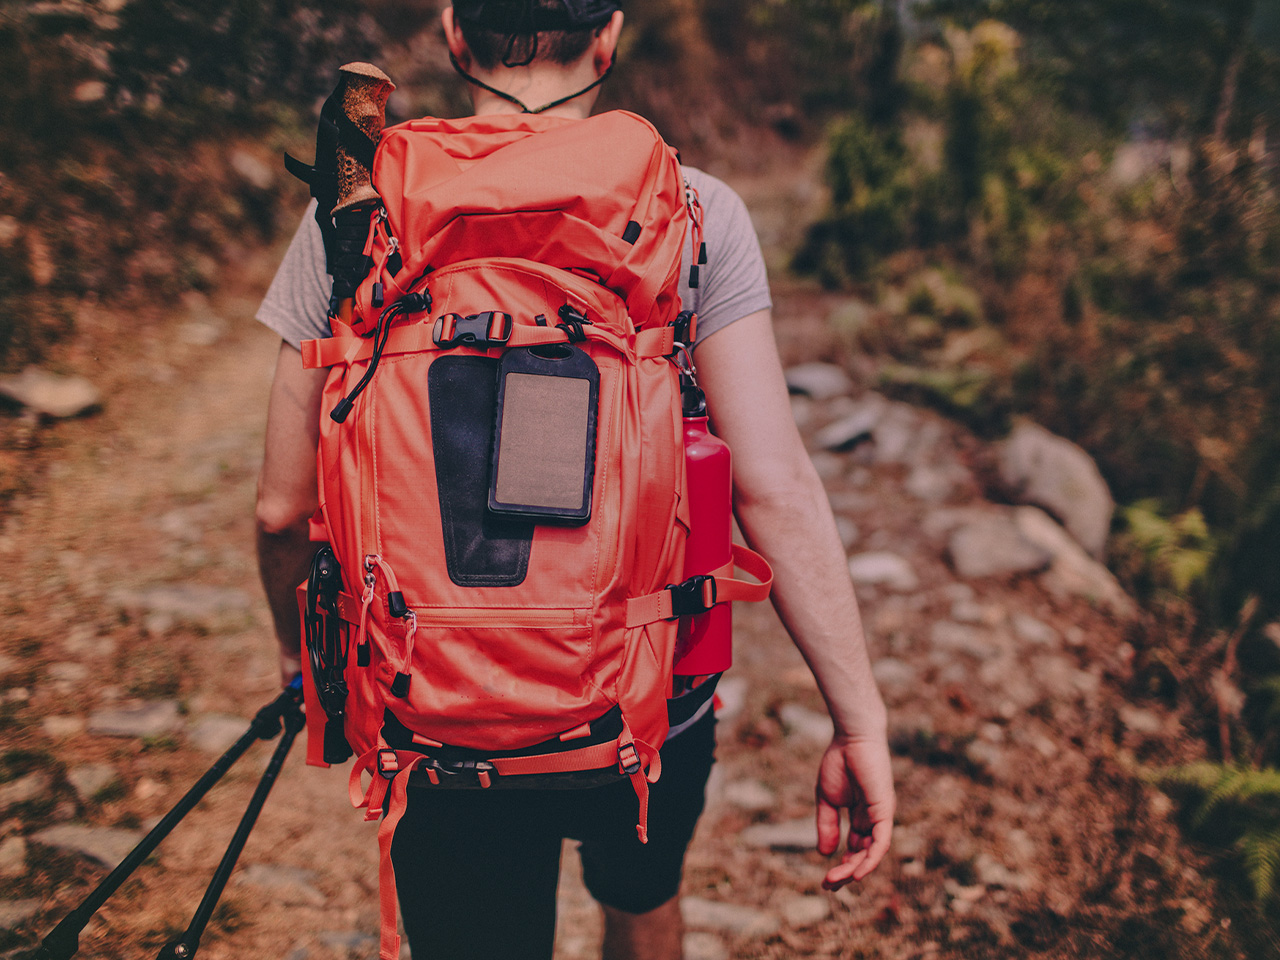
{"points": [[704, 643]]}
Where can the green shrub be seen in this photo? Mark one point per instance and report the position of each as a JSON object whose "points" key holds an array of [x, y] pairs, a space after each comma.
{"points": [[1240, 805]]}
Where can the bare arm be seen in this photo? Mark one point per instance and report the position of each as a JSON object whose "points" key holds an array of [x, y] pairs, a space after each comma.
{"points": [[783, 511], [287, 496]]}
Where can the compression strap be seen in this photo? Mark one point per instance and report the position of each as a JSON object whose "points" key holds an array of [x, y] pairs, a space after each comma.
{"points": [[519, 103]]}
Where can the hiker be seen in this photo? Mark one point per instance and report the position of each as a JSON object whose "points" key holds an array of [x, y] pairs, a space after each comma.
{"points": [[476, 871]]}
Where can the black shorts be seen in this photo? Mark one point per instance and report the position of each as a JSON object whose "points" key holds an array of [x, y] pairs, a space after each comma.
{"points": [[476, 870]]}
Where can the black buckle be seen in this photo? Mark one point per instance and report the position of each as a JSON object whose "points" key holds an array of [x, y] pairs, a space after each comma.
{"points": [[686, 327], [454, 330], [696, 595], [629, 759], [455, 768], [388, 763]]}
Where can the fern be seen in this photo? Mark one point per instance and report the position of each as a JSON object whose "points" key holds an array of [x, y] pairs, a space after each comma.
{"points": [[1243, 798], [1260, 851]]}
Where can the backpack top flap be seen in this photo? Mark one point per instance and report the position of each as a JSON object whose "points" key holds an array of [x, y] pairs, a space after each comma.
{"points": [[602, 196]]}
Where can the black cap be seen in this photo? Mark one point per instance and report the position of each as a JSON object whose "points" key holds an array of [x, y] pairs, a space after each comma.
{"points": [[527, 16]]}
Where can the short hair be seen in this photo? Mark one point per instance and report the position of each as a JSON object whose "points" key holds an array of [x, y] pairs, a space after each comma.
{"points": [[493, 47]]}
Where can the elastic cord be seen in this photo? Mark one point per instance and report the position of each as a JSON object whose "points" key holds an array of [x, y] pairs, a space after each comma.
{"points": [[519, 103]]}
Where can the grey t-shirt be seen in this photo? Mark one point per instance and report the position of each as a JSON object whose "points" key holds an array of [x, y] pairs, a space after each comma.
{"points": [[733, 282]]}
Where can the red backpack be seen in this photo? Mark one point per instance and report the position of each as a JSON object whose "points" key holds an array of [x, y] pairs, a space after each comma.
{"points": [[502, 476]]}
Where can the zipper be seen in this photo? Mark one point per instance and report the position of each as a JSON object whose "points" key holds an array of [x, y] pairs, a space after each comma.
{"points": [[500, 617]]}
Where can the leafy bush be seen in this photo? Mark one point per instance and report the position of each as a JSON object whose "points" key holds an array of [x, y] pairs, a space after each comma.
{"points": [[1137, 315], [115, 173], [1241, 804]]}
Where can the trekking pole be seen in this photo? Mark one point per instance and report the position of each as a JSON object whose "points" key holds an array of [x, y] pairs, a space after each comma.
{"points": [[363, 92], [63, 941], [185, 947]]}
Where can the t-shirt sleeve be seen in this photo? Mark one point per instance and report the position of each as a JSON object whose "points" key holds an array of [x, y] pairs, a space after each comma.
{"points": [[734, 283], [297, 302]]}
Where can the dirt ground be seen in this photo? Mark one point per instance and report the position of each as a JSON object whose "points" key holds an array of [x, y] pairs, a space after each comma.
{"points": [[1024, 828]]}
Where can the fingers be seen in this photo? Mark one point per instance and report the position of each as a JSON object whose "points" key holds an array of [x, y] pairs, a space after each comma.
{"points": [[844, 873], [828, 817], [877, 845], [864, 853]]}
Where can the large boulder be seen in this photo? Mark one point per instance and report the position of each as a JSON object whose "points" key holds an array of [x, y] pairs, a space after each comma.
{"points": [[993, 546], [1073, 573], [1043, 469]]}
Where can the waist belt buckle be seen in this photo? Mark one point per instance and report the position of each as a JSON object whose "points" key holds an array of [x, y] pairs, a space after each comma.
{"points": [[388, 763]]}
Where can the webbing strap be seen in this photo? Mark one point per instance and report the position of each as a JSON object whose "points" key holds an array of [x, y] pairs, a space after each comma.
{"points": [[347, 347], [641, 787], [585, 758], [358, 795], [640, 780], [389, 939], [657, 606]]}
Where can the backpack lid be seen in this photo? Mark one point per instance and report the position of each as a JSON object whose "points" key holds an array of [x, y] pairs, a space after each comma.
{"points": [[560, 192]]}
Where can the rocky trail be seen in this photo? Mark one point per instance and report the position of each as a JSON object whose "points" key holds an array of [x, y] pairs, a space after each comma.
{"points": [[136, 646]]}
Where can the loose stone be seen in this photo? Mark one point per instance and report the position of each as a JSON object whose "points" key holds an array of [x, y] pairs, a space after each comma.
{"points": [[152, 719], [59, 727], [962, 638], [1139, 720], [50, 394], [845, 433], [794, 835], [104, 845], [13, 856], [993, 548], [1034, 631], [700, 945], [881, 568], [750, 795], [292, 886], [14, 913], [804, 724], [895, 677], [89, 779], [801, 912], [732, 918], [34, 786], [1054, 473], [821, 381], [215, 732]]}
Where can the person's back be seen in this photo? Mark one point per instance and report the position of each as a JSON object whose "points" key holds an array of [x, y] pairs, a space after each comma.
{"points": [[476, 870]]}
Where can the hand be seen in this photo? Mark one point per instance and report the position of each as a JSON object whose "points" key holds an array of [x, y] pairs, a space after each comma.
{"points": [[290, 666], [855, 774]]}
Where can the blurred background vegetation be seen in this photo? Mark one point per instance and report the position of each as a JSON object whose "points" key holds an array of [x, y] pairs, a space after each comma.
{"points": [[1066, 211]]}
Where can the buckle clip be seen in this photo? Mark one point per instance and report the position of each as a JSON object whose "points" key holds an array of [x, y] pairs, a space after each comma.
{"points": [[628, 759], [388, 763], [685, 330], [480, 769], [482, 330], [696, 595]]}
